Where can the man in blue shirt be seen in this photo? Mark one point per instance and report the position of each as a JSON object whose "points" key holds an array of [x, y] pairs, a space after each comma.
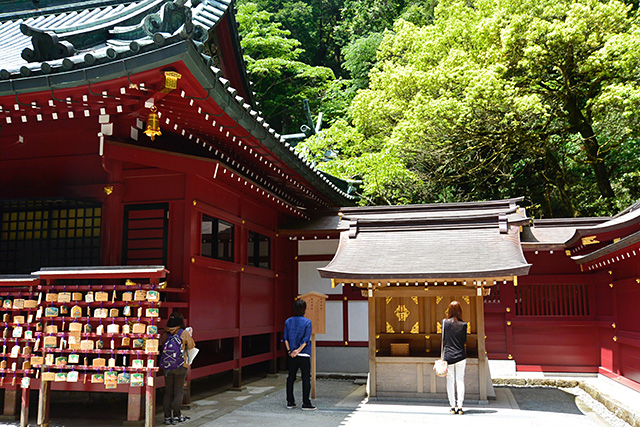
{"points": [[297, 340]]}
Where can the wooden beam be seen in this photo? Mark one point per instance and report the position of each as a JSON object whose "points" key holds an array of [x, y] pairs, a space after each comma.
{"points": [[44, 400], [372, 348], [408, 291], [470, 282], [24, 410], [313, 366], [482, 353], [11, 401], [134, 404], [150, 406]]}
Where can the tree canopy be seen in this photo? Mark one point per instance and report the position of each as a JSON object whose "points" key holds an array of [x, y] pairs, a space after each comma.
{"points": [[281, 80], [497, 98]]}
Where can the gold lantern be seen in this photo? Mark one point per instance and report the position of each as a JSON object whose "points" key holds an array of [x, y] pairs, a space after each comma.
{"points": [[153, 124]]}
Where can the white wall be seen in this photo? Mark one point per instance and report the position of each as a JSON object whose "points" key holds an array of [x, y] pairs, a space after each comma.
{"points": [[340, 358], [318, 247], [358, 320], [309, 279]]}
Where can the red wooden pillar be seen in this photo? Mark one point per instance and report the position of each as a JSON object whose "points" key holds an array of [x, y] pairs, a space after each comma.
{"points": [[507, 297], [24, 408], [112, 215], [237, 356], [615, 347]]}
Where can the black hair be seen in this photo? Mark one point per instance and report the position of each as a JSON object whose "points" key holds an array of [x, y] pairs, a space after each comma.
{"points": [[299, 307], [176, 319]]}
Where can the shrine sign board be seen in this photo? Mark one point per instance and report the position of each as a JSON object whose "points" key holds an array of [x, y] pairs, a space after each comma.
{"points": [[316, 310]]}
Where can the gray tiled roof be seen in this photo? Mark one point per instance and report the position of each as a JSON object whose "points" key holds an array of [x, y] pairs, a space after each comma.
{"points": [[100, 34], [468, 240], [609, 249], [629, 217], [103, 40]]}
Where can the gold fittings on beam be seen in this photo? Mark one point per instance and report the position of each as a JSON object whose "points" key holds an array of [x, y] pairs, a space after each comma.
{"points": [[170, 81]]}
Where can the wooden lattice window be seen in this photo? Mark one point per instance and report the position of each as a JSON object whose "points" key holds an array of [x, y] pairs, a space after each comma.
{"points": [[48, 233], [494, 295], [564, 299]]}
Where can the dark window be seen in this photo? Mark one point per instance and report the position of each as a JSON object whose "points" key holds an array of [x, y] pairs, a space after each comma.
{"points": [[48, 233], [146, 228], [217, 238], [259, 250]]}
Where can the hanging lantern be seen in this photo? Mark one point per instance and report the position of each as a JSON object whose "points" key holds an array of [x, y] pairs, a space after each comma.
{"points": [[153, 124]]}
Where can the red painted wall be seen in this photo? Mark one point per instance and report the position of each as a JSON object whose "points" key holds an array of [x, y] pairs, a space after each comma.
{"points": [[225, 299]]}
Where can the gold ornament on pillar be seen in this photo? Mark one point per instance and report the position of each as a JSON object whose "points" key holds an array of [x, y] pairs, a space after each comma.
{"points": [[153, 124]]}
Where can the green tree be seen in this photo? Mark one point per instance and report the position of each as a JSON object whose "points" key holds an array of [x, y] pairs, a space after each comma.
{"points": [[280, 79], [312, 23], [498, 98]]}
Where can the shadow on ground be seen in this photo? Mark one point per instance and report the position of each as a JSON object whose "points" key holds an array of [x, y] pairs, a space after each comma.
{"points": [[546, 399]]}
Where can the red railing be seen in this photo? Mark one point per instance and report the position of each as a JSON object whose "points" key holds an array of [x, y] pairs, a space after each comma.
{"points": [[570, 299]]}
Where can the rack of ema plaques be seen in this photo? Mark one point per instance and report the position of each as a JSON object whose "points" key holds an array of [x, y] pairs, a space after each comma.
{"points": [[405, 330], [98, 330], [18, 301]]}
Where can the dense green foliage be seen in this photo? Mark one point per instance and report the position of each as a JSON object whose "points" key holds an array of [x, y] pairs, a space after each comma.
{"points": [[478, 100], [280, 79]]}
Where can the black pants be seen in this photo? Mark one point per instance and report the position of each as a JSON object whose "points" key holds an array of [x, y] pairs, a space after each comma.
{"points": [[173, 391], [304, 364]]}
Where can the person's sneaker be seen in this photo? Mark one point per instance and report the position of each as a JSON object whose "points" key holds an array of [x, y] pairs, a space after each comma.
{"points": [[460, 411], [169, 421], [180, 419], [308, 407], [453, 411], [291, 405]]}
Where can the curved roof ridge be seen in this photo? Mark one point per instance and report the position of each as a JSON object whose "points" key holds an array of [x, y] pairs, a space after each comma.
{"points": [[626, 218], [107, 17]]}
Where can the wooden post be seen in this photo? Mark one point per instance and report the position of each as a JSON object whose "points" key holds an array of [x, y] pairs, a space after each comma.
{"points": [[10, 401], [44, 400], [372, 347], [313, 366], [150, 406], [237, 355], [316, 312], [134, 406], [24, 408], [482, 354]]}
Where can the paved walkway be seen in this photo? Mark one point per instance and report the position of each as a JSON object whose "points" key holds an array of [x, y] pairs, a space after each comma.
{"points": [[344, 403]]}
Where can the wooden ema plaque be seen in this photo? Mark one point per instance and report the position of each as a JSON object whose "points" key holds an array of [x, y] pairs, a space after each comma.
{"points": [[316, 310]]}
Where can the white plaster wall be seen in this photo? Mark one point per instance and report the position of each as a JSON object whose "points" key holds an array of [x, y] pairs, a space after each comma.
{"points": [[334, 322], [318, 247], [309, 279], [358, 320]]}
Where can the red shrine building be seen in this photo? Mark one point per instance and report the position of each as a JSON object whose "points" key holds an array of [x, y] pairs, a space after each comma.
{"points": [[129, 137]]}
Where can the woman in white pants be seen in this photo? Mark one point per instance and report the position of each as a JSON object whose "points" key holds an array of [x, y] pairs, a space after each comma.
{"points": [[455, 340]]}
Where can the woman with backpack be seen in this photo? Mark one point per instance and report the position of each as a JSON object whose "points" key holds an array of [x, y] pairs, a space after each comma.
{"points": [[174, 342]]}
